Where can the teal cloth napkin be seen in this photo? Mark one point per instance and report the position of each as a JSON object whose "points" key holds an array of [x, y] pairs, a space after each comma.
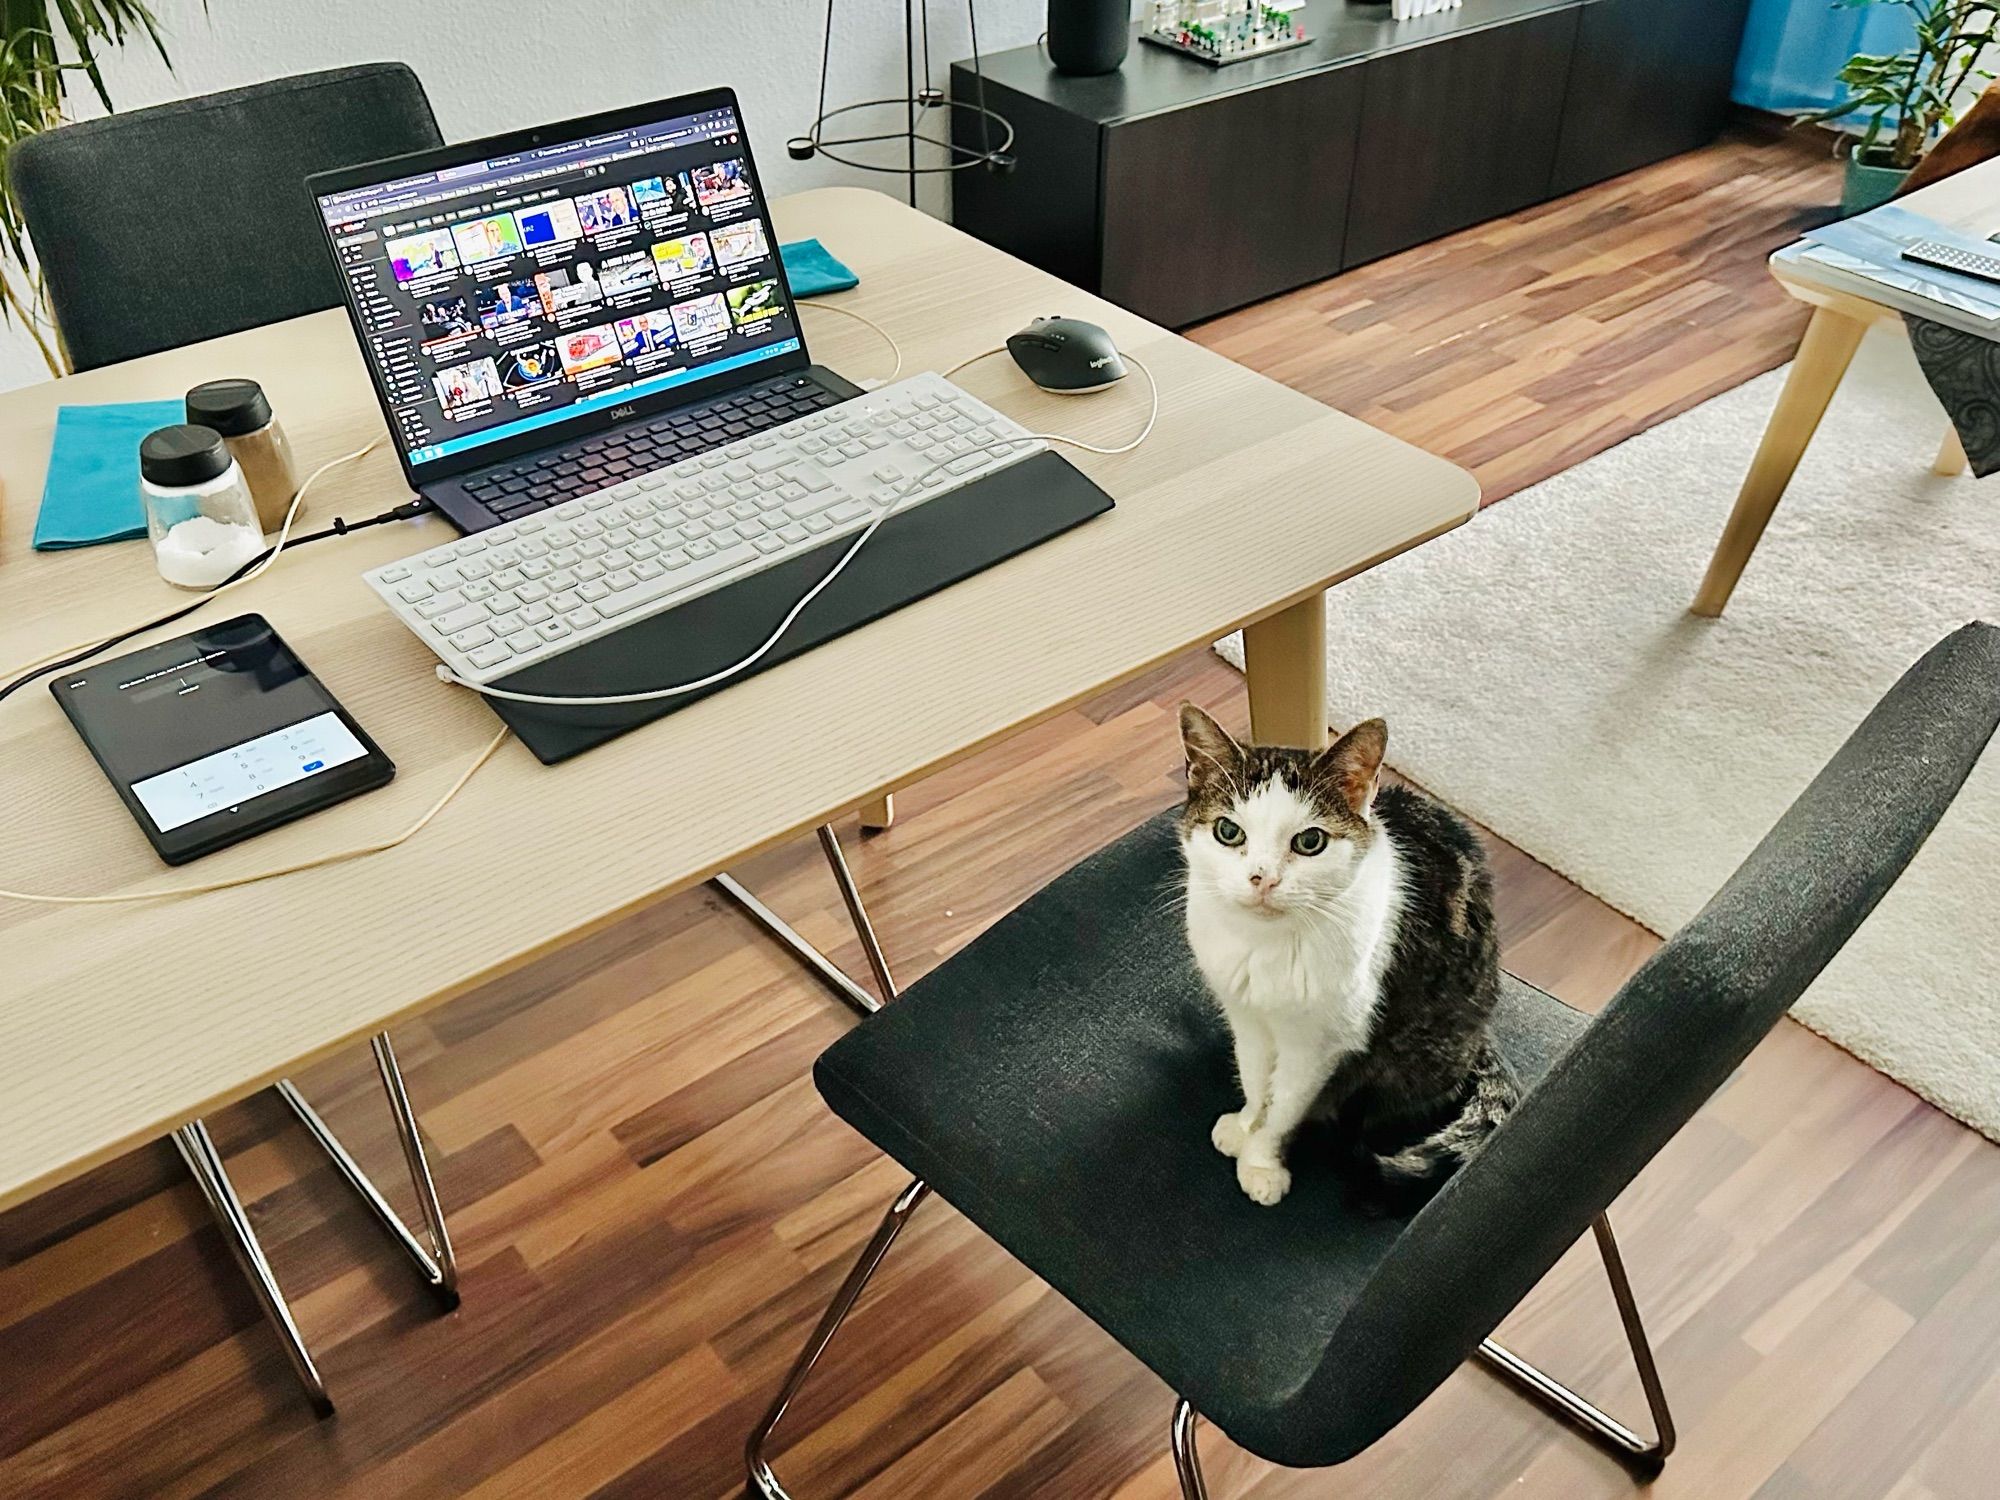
{"points": [[91, 493], [812, 270]]}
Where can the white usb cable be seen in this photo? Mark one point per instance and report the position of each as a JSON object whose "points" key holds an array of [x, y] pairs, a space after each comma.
{"points": [[883, 333], [492, 746], [284, 536]]}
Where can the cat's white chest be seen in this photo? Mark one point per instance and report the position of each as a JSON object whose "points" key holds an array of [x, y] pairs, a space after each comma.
{"points": [[1291, 971], [1319, 973]]}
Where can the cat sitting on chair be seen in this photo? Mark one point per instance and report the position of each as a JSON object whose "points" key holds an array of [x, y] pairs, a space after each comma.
{"points": [[1346, 930]]}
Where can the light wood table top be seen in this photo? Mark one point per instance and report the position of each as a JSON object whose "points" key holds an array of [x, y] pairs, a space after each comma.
{"points": [[118, 1023]]}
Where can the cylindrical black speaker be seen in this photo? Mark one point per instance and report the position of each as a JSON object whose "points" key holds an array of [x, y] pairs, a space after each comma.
{"points": [[1088, 36]]}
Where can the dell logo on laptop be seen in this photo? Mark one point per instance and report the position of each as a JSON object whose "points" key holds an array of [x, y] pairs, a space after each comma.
{"points": [[620, 413]]}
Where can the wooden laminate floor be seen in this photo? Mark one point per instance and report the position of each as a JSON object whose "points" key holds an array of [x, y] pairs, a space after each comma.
{"points": [[651, 1206]]}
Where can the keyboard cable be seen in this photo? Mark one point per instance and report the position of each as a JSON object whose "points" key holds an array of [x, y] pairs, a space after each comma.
{"points": [[883, 333], [492, 746], [607, 700], [82, 651], [255, 566]]}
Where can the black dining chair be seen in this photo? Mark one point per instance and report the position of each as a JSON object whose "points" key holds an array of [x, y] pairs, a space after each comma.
{"points": [[164, 226], [1056, 1080]]}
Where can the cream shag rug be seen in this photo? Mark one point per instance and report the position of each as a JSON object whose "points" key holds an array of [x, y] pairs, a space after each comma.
{"points": [[1540, 672]]}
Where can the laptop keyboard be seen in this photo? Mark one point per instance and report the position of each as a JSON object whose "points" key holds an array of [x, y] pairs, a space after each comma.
{"points": [[592, 464]]}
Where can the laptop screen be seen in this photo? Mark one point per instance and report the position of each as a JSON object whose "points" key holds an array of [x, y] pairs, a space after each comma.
{"points": [[514, 293]]}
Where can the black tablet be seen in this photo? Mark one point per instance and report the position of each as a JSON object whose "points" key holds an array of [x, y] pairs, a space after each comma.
{"points": [[219, 735]]}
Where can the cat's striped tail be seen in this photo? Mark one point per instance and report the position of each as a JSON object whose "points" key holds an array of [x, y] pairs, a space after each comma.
{"points": [[1426, 1163]]}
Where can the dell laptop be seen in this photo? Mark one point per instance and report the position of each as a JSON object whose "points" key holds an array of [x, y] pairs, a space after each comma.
{"points": [[556, 316], [545, 312]]}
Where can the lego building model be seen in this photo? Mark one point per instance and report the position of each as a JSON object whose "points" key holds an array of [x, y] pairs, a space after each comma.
{"points": [[1225, 31]]}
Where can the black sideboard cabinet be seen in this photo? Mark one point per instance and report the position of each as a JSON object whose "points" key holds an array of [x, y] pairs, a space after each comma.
{"points": [[1181, 191]]}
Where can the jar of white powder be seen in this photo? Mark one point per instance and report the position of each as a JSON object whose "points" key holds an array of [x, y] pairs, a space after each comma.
{"points": [[199, 511]]}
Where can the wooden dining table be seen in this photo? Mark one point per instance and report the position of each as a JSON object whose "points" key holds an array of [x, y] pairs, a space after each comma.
{"points": [[121, 1023]]}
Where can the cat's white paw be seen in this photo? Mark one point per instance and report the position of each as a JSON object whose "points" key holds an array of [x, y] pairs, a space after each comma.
{"points": [[1263, 1183], [1229, 1134]]}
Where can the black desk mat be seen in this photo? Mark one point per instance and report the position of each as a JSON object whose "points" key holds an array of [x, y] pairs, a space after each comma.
{"points": [[914, 553]]}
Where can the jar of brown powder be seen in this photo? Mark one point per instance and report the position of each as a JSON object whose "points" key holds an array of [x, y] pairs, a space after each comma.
{"points": [[239, 411]]}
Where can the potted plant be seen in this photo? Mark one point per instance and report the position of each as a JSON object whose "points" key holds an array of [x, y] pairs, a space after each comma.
{"points": [[1909, 98], [34, 86]]}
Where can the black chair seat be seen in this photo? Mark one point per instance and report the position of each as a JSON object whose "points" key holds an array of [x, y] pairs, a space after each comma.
{"points": [[1056, 1082]]}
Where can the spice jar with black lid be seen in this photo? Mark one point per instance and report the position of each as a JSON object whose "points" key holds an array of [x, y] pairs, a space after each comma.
{"points": [[240, 411]]}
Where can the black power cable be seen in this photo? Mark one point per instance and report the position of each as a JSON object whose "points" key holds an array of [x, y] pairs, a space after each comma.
{"points": [[409, 510]]}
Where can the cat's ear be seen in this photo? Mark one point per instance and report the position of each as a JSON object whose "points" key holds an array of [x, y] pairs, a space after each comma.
{"points": [[1211, 754], [1352, 765]]}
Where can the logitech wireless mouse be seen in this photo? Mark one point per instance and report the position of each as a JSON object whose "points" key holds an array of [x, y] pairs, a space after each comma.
{"points": [[1066, 355]]}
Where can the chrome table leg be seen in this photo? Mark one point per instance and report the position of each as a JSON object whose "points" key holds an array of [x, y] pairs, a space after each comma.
{"points": [[204, 1162], [443, 1271], [762, 1480], [831, 973], [434, 1263], [834, 976], [871, 947]]}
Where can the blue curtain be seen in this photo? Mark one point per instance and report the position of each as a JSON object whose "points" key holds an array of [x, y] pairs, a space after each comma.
{"points": [[1792, 49]]}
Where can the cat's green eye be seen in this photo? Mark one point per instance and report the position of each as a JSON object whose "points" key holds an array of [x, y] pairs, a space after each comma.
{"points": [[1227, 833], [1309, 841]]}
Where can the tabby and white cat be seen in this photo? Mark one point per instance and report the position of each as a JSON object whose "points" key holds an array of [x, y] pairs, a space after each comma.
{"points": [[1347, 933]]}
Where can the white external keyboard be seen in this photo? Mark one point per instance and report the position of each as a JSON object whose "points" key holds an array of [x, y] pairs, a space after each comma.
{"points": [[521, 593]]}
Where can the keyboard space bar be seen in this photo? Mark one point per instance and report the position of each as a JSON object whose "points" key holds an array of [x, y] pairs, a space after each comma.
{"points": [[677, 581]]}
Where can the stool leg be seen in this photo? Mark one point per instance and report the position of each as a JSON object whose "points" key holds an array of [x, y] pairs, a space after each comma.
{"points": [[204, 1162], [1187, 1459], [762, 1480]]}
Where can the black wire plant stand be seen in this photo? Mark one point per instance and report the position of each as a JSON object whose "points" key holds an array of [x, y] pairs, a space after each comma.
{"points": [[921, 102]]}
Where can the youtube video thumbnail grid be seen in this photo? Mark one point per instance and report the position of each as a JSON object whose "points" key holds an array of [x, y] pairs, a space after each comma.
{"points": [[488, 315]]}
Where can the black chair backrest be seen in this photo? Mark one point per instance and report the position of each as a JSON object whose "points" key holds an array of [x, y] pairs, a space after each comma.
{"points": [[1667, 1040], [164, 226]]}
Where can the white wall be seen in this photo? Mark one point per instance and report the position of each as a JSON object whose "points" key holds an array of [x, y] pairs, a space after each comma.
{"points": [[494, 65]]}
